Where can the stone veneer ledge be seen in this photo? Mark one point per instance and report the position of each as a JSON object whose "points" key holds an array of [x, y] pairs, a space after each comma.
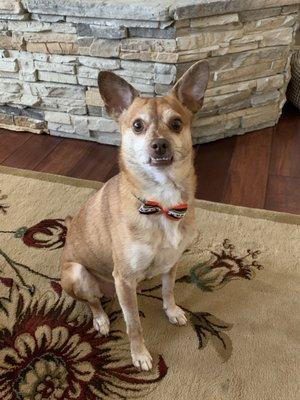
{"points": [[51, 52]]}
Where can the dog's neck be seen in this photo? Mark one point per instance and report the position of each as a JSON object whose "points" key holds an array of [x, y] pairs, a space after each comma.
{"points": [[169, 186]]}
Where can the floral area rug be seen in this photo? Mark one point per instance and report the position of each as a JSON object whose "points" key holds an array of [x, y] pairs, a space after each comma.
{"points": [[239, 284]]}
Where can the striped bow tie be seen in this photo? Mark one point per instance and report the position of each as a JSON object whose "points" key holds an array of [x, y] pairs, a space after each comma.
{"points": [[152, 207]]}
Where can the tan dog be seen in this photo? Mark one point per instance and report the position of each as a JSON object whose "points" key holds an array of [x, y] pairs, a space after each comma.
{"points": [[140, 222]]}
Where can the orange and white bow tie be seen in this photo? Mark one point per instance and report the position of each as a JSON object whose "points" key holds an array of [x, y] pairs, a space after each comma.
{"points": [[149, 207]]}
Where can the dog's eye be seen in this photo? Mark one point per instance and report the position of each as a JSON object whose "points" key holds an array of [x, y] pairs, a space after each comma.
{"points": [[138, 126], [176, 125]]}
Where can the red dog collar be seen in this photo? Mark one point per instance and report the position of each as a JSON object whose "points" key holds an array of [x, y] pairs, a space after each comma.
{"points": [[153, 207]]}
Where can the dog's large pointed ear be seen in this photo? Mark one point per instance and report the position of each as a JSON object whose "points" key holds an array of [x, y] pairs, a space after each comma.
{"points": [[116, 93], [190, 88]]}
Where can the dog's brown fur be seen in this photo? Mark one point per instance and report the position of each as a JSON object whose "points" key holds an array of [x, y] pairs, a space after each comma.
{"points": [[110, 246]]}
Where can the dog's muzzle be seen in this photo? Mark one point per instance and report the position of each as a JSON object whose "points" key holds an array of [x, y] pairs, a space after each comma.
{"points": [[160, 152]]}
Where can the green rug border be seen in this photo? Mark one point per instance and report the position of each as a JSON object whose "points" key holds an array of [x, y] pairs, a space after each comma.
{"points": [[275, 216]]}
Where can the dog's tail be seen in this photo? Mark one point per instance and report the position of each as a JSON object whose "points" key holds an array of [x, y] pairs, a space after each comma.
{"points": [[68, 221]]}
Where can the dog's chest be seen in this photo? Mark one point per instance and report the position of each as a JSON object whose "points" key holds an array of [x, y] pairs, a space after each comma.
{"points": [[162, 239], [163, 247]]}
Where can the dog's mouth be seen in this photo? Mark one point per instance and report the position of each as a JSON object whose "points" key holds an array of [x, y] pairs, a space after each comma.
{"points": [[161, 161]]}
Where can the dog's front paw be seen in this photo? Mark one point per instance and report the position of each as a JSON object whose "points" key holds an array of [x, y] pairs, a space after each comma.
{"points": [[176, 316], [142, 360], [101, 324]]}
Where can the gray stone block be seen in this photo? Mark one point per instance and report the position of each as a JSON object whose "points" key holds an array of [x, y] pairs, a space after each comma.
{"points": [[87, 81], [11, 6], [72, 135], [68, 105], [102, 32], [184, 9], [6, 97], [63, 27], [40, 57], [57, 90], [63, 59], [55, 67], [165, 69], [14, 17], [29, 26], [162, 90], [126, 74], [108, 32], [11, 87], [137, 66], [251, 57], [100, 63], [33, 113], [58, 117], [84, 30], [80, 124], [56, 77], [138, 81], [137, 45], [254, 15], [29, 100], [144, 88], [107, 138], [168, 33], [104, 48], [21, 110], [164, 79], [102, 124], [84, 42], [29, 77], [48, 18], [86, 72], [134, 9], [63, 128], [116, 23], [12, 110], [264, 98], [27, 65], [95, 111], [12, 75], [8, 65]]}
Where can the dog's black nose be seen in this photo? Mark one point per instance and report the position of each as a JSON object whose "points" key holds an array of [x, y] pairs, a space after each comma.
{"points": [[159, 146]]}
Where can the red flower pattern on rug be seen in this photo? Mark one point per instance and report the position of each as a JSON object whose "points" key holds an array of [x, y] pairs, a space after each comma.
{"points": [[50, 355], [53, 231]]}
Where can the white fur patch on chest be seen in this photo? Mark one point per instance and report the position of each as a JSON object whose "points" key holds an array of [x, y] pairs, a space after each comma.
{"points": [[171, 232], [159, 254], [141, 256]]}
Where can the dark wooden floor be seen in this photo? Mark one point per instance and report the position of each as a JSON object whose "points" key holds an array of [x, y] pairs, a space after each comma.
{"points": [[260, 169]]}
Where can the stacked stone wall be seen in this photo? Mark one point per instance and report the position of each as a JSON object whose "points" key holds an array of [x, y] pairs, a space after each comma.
{"points": [[52, 51]]}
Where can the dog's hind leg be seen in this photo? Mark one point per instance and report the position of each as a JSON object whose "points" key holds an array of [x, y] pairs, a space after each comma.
{"points": [[79, 283]]}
